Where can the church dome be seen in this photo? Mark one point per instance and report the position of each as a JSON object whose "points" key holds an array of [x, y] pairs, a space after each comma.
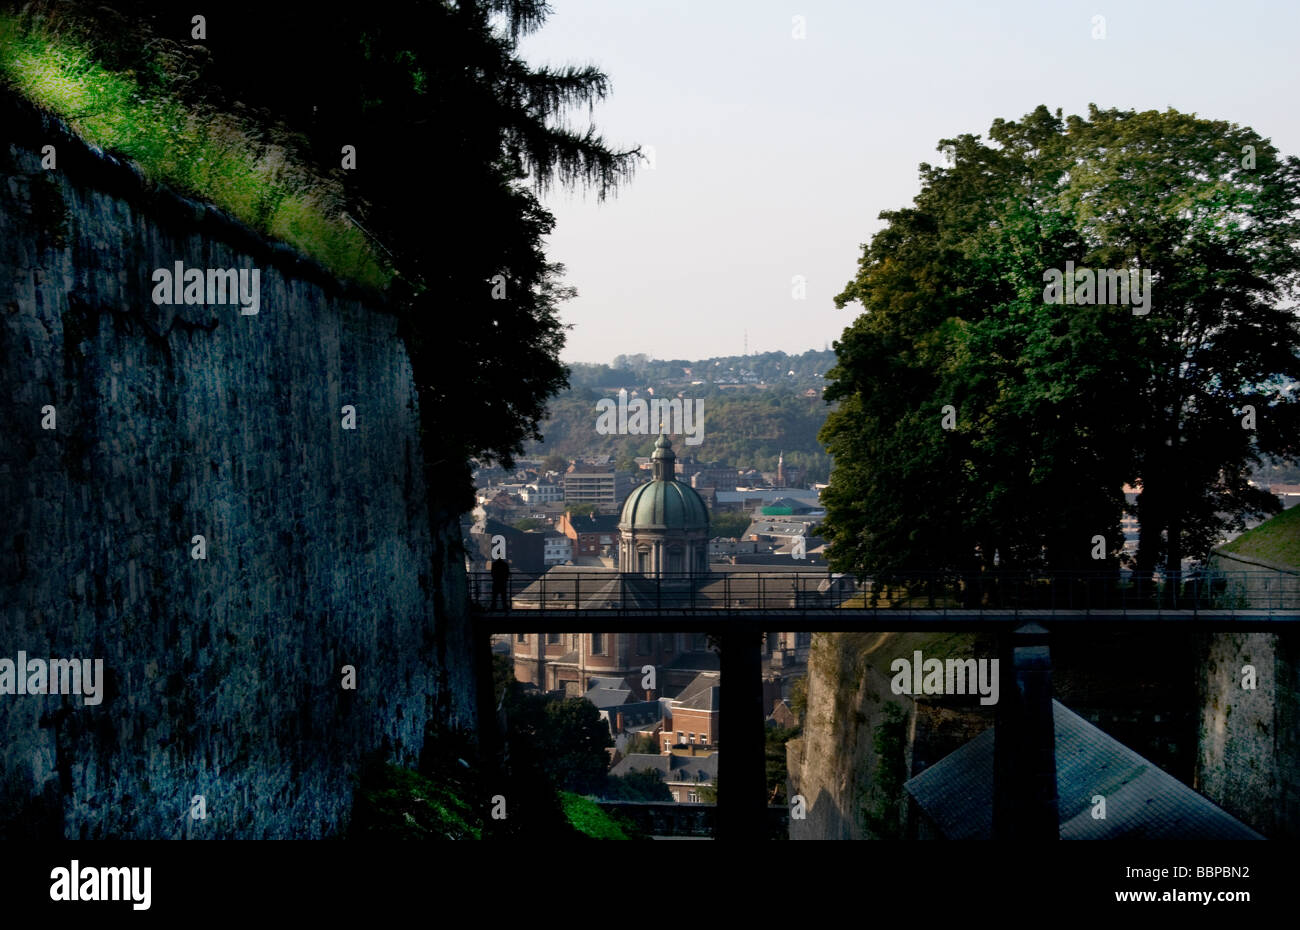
{"points": [[664, 503]]}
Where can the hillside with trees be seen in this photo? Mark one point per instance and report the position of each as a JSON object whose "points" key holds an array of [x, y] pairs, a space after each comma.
{"points": [[754, 409]]}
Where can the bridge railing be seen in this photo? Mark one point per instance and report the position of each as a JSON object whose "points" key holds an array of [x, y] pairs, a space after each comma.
{"points": [[819, 590]]}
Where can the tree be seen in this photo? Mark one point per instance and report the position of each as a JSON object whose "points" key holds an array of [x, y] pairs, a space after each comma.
{"points": [[454, 133], [982, 424], [644, 785], [728, 525], [778, 773], [642, 743], [799, 696], [572, 740]]}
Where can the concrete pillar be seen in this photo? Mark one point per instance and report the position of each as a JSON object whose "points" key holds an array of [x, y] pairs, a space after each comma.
{"points": [[742, 789], [1024, 740]]}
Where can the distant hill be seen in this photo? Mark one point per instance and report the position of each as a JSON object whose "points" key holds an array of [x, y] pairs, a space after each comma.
{"points": [[754, 408], [770, 368]]}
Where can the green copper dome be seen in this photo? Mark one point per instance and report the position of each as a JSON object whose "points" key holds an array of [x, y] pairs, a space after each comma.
{"points": [[664, 503]]}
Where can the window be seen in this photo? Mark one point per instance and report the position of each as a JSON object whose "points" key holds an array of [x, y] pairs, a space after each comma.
{"points": [[692, 797], [552, 639], [521, 637], [701, 641], [692, 737], [643, 645], [681, 737], [666, 641], [598, 644]]}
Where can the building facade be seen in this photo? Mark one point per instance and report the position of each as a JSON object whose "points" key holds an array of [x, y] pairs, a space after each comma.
{"points": [[590, 484]]}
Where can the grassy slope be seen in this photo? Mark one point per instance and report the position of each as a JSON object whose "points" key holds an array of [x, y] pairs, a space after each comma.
{"points": [[208, 155], [587, 818], [1274, 540]]}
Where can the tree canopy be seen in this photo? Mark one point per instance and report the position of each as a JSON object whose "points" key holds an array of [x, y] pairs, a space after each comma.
{"points": [[455, 135], [985, 420]]}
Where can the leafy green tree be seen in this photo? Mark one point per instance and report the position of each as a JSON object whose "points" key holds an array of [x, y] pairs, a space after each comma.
{"points": [[799, 696], [641, 743], [644, 785], [455, 133], [573, 739], [708, 794], [729, 525], [980, 424], [778, 773]]}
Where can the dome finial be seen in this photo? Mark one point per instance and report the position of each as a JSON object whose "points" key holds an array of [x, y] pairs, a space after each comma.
{"points": [[663, 459]]}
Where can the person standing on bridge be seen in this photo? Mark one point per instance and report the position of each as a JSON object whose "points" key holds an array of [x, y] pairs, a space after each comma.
{"points": [[500, 584]]}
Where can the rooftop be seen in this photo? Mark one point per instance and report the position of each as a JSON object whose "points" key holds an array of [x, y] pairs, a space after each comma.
{"points": [[1142, 800]]}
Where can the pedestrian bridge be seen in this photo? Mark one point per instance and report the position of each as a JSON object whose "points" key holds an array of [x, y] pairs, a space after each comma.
{"points": [[818, 600], [738, 605]]}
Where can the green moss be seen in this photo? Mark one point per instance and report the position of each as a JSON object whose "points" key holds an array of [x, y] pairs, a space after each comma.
{"points": [[882, 801], [587, 818], [174, 144]]}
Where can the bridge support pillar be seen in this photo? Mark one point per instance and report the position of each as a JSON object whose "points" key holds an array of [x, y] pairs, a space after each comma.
{"points": [[742, 791], [1024, 739]]}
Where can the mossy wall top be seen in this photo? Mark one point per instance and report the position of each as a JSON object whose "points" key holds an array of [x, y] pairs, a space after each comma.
{"points": [[223, 675]]}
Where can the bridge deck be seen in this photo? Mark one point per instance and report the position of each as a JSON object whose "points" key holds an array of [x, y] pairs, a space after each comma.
{"points": [[804, 599], [873, 620]]}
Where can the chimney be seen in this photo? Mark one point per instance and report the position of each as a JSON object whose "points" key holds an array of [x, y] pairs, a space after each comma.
{"points": [[618, 722]]}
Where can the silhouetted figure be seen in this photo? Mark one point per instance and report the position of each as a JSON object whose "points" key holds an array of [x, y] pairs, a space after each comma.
{"points": [[500, 583]]}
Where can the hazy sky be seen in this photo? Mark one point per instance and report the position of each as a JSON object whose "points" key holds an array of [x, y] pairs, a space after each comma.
{"points": [[774, 155]]}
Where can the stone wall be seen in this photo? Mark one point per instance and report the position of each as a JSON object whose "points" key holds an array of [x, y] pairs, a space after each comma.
{"points": [[223, 675], [1248, 750]]}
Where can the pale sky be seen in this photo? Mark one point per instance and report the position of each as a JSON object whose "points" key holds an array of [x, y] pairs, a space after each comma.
{"points": [[774, 155]]}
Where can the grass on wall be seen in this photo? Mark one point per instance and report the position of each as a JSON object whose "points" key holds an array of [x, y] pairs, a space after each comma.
{"points": [[586, 816], [206, 155], [1275, 540]]}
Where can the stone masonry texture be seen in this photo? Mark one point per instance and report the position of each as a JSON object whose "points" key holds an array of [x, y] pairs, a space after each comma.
{"points": [[223, 676]]}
